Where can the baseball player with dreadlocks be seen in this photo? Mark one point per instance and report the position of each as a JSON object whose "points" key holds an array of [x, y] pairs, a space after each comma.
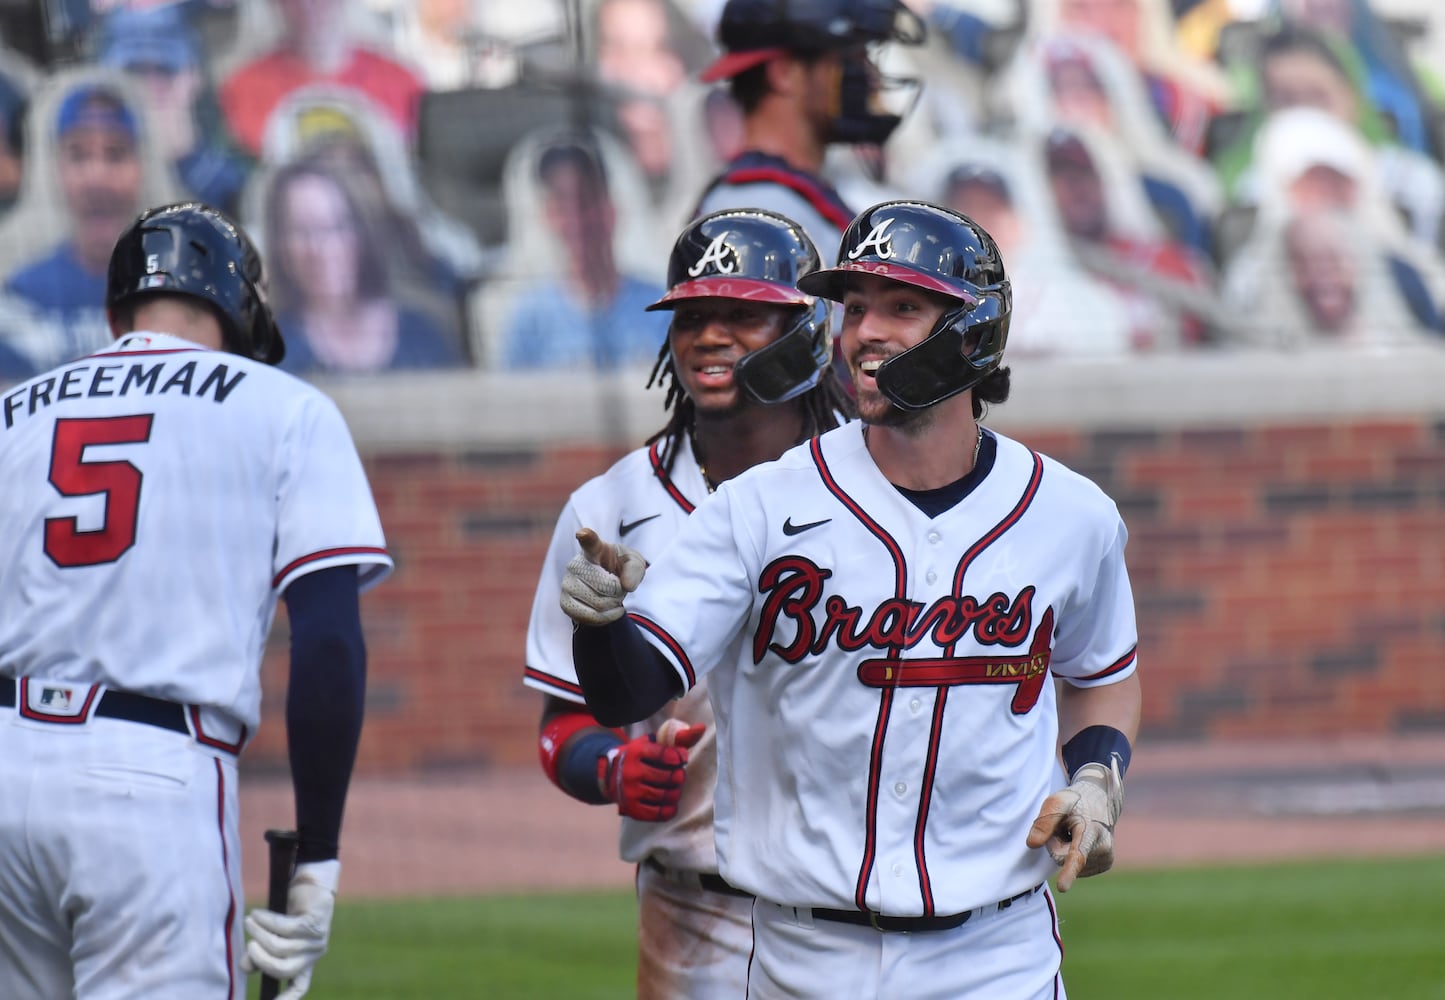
{"points": [[746, 368], [877, 615]]}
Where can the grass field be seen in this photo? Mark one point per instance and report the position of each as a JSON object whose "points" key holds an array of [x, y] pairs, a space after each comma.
{"points": [[1341, 930]]}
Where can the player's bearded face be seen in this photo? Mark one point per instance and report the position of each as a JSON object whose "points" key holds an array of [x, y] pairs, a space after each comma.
{"points": [[709, 336], [883, 318]]}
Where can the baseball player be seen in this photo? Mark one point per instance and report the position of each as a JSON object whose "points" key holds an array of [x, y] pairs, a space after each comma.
{"points": [[160, 496], [878, 615], [747, 375], [802, 75]]}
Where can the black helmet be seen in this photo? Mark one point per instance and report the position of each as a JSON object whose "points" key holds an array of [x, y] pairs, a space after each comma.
{"points": [[945, 252], [752, 31], [192, 249], [758, 256]]}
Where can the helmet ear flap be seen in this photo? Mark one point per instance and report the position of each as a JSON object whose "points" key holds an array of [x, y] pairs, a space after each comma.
{"points": [[267, 344], [965, 347], [792, 364]]}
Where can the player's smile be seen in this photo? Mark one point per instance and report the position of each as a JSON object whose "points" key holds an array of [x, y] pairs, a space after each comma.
{"points": [[866, 365], [711, 335], [709, 376], [713, 376]]}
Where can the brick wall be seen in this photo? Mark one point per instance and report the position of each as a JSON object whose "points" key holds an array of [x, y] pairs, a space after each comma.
{"points": [[1289, 578]]}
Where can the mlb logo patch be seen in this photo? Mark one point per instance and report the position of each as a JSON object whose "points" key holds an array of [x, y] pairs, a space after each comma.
{"points": [[57, 701]]}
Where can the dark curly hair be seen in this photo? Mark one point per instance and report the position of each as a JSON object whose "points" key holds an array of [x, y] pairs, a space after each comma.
{"points": [[992, 390]]}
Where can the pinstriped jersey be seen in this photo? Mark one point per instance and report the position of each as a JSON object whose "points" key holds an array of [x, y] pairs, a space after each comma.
{"points": [[887, 728], [637, 503], [159, 497]]}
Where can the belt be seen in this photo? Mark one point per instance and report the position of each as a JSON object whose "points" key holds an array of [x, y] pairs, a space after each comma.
{"points": [[115, 705], [880, 922], [704, 880]]}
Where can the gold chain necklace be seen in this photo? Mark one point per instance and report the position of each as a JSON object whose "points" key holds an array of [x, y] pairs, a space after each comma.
{"points": [[977, 446], [697, 457]]}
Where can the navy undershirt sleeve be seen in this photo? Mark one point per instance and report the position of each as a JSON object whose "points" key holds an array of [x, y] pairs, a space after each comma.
{"points": [[325, 702], [623, 677]]}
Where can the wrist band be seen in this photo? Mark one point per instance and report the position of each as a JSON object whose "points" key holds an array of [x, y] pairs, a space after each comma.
{"points": [[569, 745], [578, 771], [1096, 745]]}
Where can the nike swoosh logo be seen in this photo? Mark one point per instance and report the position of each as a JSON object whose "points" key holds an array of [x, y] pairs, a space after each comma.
{"points": [[789, 528], [623, 527]]}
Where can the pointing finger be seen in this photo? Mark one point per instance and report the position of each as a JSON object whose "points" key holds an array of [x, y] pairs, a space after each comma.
{"points": [[592, 545], [598, 552]]}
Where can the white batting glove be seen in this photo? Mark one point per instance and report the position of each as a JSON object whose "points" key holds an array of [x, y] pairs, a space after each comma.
{"points": [[597, 580], [286, 946], [1076, 824]]}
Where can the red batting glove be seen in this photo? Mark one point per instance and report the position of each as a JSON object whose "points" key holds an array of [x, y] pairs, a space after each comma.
{"points": [[644, 777]]}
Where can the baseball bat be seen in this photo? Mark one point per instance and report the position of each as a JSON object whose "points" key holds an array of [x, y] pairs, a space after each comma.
{"points": [[282, 851]]}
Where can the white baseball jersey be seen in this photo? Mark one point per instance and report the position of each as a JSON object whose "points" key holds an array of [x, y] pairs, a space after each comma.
{"points": [[636, 503], [886, 725], [107, 573], [158, 498]]}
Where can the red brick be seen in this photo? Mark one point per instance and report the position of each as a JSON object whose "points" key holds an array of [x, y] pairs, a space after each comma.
{"points": [[1344, 466], [1290, 439], [1384, 435], [1158, 468], [1227, 500]]}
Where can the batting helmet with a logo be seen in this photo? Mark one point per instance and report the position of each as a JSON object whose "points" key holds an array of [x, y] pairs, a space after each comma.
{"points": [[194, 250], [758, 256], [944, 252]]}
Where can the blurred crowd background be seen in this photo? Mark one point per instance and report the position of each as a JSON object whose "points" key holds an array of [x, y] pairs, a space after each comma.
{"points": [[496, 183]]}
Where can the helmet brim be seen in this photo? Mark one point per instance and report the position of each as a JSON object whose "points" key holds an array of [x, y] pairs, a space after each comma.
{"points": [[722, 287], [732, 64], [832, 282]]}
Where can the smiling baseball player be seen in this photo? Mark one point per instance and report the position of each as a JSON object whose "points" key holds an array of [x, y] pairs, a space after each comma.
{"points": [[160, 497], [878, 615], [746, 362]]}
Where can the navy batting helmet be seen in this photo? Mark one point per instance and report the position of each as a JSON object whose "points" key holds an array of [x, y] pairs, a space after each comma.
{"points": [[758, 256], [752, 31], [944, 252], [194, 250]]}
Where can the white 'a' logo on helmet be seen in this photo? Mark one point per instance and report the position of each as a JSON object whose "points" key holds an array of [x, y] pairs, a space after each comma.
{"points": [[878, 239], [716, 254]]}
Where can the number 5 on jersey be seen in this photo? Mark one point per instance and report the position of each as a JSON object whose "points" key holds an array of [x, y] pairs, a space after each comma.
{"points": [[73, 476]]}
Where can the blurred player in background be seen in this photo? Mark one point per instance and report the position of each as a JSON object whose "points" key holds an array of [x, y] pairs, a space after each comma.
{"points": [[804, 78], [161, 495], [746, 369]]}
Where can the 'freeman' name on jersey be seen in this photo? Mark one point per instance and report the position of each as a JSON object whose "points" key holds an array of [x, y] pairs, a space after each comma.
{"points": [[201, 377]]}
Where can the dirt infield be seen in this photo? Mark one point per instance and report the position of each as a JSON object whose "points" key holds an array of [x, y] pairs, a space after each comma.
{"points": [[492, 831]]}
